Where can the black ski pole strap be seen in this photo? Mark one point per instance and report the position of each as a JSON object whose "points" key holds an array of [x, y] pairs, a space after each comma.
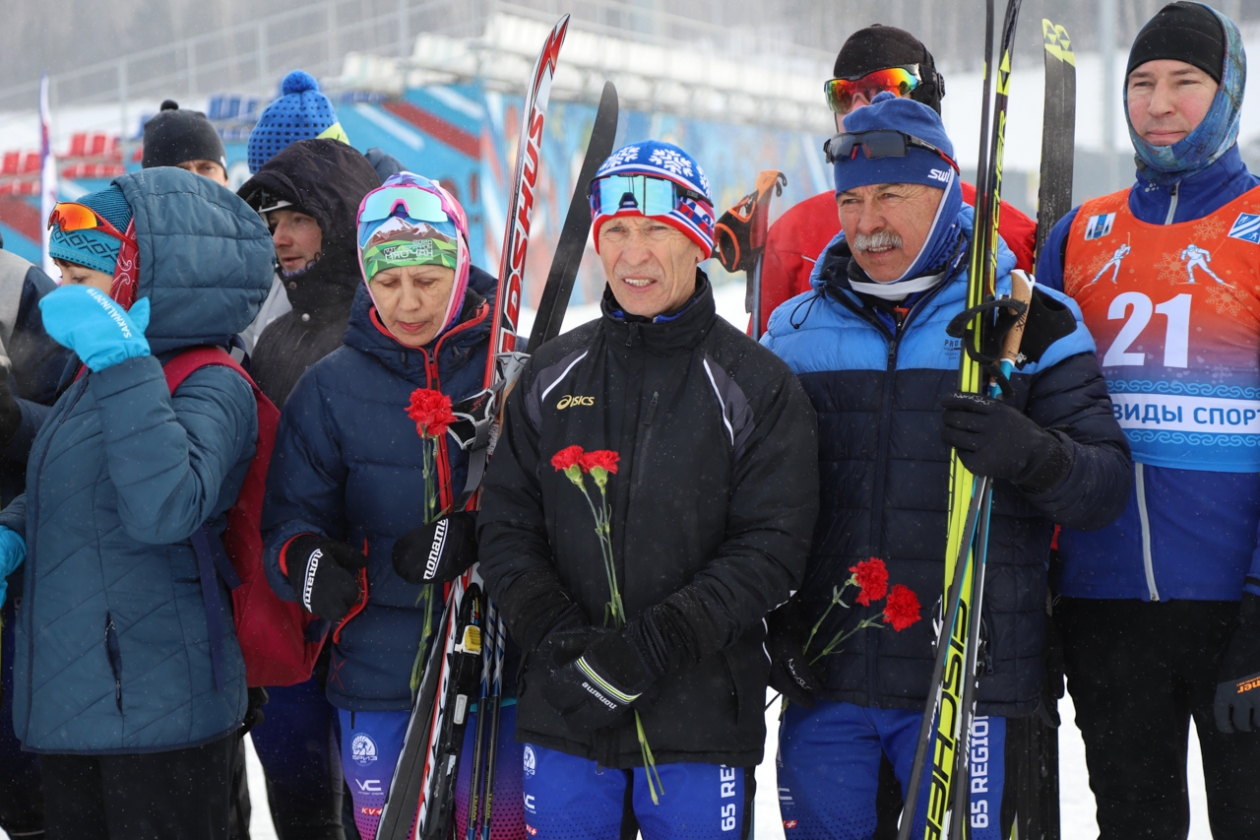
{"points": [[1010, 311]]}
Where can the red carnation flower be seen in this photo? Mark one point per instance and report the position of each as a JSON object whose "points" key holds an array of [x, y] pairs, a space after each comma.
{"points": [[567, 458], [431, 410], [604, 459], [871, 576], [902, 608]]}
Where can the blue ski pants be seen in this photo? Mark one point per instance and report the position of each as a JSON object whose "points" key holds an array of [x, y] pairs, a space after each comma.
{"points": [[828, 765], [568, 798]]}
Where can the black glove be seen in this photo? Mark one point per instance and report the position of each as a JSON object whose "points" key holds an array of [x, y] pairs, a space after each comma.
{"points": [[10, 412], [595, 689], [995, 440], [790, 672], [256, 699], [536, 606], [438, 552], [1238, 680], [323, 574]]}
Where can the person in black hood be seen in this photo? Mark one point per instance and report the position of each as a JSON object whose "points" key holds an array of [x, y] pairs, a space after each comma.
{"points": [[309, 195]]}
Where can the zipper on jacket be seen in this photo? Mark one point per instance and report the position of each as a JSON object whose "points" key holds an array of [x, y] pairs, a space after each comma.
{"points": [[1147, 564], [113, 652], [881, 460], [1172, 205]]}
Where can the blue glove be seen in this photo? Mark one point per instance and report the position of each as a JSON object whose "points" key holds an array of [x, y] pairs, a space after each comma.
{"points": [[100, 331], [12, 553]]}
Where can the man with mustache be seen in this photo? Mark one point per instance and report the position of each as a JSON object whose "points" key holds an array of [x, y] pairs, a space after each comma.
{"points": [[870, 347]]}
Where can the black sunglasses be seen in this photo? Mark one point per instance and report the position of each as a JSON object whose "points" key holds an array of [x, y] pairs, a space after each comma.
{"points": [[880, 143]]}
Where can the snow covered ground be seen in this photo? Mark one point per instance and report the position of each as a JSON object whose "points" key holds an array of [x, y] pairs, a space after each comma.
{"points": [[1077, 801]]}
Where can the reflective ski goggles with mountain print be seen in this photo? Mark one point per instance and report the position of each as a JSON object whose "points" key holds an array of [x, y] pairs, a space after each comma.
{"points": [[896, 80], [650, 196], [419, 204], [881, 143]]}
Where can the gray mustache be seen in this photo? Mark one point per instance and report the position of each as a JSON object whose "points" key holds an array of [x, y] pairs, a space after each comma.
{"points": [[878, 239]]}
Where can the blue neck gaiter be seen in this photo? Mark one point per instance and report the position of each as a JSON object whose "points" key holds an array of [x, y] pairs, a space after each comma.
{"points": [[1164, 165]]}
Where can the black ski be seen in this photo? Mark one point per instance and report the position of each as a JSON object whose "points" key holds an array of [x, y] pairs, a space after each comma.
{"points": [[1058, 131], [577, 226], [1033, 742]]}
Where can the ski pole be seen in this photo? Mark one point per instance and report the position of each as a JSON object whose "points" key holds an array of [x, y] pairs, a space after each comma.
{"points": [[494, 702], [474, 804]]}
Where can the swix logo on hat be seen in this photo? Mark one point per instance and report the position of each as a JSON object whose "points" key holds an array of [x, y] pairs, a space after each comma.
{"points": [[1099, 226], [1247, 228]]}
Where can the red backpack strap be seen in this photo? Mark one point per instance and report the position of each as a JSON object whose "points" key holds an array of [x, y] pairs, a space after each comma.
{"points": [[212, 558]]}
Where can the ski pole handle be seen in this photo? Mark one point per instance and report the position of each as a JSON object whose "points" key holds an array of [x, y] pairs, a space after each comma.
{"points": [[1021, 290]]}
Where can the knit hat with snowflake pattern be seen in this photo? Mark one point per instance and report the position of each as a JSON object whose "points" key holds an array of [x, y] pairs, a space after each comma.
{"points": [[694, 218]]}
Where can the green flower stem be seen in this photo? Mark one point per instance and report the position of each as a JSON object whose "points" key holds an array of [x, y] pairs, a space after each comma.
{"points": [[615, 608], [840, 637], [836, 592], [649, 761]]}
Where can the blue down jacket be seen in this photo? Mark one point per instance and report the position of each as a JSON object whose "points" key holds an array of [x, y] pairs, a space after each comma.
{"points": [[884, 475], [113, 651], [348, 465], [1185, 533]]}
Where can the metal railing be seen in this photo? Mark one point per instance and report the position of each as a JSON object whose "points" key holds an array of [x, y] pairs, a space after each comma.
{"points": [[250, 57]]}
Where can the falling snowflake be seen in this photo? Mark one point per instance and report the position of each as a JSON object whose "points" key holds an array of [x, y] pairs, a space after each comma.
{"points": [[1225, 301], [670, 160], [1212, 227], [626, 155]]}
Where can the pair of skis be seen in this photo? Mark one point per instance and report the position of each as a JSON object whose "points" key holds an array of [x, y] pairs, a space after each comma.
{"points": [[420, 802], [947, 723]]}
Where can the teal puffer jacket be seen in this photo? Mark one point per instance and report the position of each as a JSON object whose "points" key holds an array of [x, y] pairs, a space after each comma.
{"points": [[113, 651]]}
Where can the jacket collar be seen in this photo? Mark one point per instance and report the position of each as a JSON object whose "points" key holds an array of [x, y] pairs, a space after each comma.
{"points": [[1197, 196], [679, 332]]}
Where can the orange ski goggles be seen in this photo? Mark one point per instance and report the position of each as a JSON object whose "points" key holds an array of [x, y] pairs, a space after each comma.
{"points": [[70, 216], [896, 80]]}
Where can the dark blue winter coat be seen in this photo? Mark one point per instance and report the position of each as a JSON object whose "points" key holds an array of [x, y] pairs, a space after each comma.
{"points": [[1199, 538], [113, 652], [884, 473], [348, 465]]}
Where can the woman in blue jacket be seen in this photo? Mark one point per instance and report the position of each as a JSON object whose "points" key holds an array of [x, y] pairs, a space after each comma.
{"points": [[347, 478], [113, 678]]}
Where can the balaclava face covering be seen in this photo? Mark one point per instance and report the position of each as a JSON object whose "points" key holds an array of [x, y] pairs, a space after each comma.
{"points": [[1218, 131]]}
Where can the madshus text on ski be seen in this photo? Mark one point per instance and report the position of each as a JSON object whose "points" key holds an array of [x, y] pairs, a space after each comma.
{"points": [[278, 462]]}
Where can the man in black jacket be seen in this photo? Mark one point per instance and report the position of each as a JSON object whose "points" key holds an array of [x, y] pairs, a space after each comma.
{"points": [[649, 650], [309, 195]]}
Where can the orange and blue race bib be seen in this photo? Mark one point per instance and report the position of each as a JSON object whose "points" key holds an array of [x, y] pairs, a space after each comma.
{"points": [[1175, 312]]}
